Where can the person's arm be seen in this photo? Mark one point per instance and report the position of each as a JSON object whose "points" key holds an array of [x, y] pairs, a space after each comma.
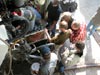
{"points": [[48, 36], [70, 31], [70, 56]]}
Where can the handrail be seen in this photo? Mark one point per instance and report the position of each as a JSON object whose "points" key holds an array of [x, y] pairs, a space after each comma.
{"points": [[79, 66]]}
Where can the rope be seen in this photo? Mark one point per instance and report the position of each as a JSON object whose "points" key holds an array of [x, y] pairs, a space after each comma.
{"points": [[10, 57]]}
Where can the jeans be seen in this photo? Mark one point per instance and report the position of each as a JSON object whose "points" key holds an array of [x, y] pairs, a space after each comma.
{"points": [[61, 67], [53, 31]]}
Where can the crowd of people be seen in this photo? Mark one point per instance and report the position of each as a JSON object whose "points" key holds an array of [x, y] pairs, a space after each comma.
{"points": [[65, 29], [68, 29], [67, 33], [70, 36]]}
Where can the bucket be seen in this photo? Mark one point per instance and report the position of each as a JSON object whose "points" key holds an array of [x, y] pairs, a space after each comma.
{"points": [[35, 68]]}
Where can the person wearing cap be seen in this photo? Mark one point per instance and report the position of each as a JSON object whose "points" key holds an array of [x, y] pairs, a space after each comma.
{"points": [[49, 61]]}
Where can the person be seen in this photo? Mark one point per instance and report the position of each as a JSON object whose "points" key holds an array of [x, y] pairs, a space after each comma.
{"points": [[78, 32], [66, 16], [53, 11], [49, 61], [94, 22], [70, 17], [62, 36], [70, 57]]}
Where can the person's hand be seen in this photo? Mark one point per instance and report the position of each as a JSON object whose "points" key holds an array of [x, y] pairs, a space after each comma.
{"points": [[72, 46], [35, 72], [47, 34], [46, 30], [66, 52], [70, 31]]}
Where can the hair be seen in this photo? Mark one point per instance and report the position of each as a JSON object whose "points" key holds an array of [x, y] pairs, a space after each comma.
{"points": [[80, 45], [64, 24], [76, 24], [66, 15]]}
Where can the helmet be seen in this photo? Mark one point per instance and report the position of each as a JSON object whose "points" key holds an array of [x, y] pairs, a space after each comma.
{"points": [[27, 13], [18, 3], [22, 26]]}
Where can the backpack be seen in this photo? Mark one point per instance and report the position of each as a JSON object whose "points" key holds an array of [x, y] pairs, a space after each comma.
{"points": [[68, 6]]}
